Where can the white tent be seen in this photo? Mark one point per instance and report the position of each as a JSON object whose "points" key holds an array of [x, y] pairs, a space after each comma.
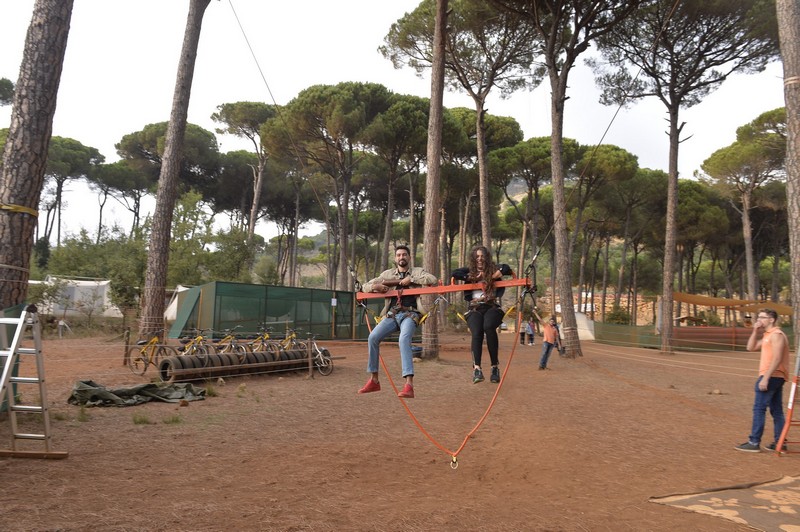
{"points": [[171, 312], [79, 297]]}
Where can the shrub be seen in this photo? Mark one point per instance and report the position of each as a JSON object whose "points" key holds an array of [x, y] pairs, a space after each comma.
{"points": [[618, 316]]}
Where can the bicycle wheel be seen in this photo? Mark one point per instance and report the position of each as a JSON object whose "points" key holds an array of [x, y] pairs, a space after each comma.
{"points": [[323, 362], [160, 354], [222, 349], [240, 352], [299, 346], [201, 352], [136, 362]]}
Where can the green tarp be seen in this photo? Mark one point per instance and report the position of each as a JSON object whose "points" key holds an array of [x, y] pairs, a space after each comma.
{"points": [[89, 393]]}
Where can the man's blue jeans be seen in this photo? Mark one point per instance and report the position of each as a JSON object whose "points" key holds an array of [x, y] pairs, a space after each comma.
{"points": [[402, 321], [547, 348], [772, 398]]}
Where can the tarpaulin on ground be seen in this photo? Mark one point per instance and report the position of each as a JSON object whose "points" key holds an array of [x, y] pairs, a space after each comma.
{"points": [[771, 505], [89, 393]]}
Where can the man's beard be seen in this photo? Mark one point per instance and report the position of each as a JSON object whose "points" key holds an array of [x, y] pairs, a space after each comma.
{"points": [[402, 263]]}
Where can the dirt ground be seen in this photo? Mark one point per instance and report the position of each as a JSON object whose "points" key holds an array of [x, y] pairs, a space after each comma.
{"points": [[582, 446]]}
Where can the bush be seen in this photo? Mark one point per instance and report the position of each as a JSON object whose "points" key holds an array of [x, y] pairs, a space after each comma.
{"points": [[710, 318], [618, 316]]}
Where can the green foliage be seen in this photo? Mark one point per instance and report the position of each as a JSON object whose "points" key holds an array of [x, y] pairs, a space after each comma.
{"points": [[482, 43], [701, 46], [83, 415], [199, 164], [142, 419], [618, 316], [192, 235], [6, 93], [46, 294], [709, 318], [116, 257], [233, 256], [266, 270], [174, 419], [41, 253]]}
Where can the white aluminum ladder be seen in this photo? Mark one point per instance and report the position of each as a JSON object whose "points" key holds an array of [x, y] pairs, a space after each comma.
{"points": [[11, 353]]}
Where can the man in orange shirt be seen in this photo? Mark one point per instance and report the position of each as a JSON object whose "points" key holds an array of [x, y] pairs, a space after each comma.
{"points": [[551, 336], [773, 371]]}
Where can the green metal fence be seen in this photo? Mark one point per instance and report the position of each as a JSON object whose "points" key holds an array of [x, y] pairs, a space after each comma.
{"points": [[220, 305]]}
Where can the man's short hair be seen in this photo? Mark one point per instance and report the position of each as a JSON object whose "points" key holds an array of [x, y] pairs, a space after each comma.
{"points": [[402, 246], [771, 313]]}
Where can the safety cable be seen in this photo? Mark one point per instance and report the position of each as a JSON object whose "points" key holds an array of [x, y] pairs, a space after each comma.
{"points": [[453, 454]]}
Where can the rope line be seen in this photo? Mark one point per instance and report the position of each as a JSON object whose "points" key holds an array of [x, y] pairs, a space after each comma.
{"points": [[453, 454]]}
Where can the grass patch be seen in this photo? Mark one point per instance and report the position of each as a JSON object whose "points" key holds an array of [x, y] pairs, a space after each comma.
{"points": [[141, 419], [83, 415], [174, 419], [241, 390], [211, 391]]}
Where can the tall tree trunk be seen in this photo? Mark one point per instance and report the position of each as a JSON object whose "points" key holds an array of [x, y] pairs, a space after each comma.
{"points": [[102, 199], [747, 233], [569, 329], [788, 12], [294, 275], [25, 155], [483, 175], [412, 219], [155, 281], [668, 272], [340, 268], [430, 332], [606, 260], [387, 227], [623, 258], [443, 262], [634, 286], [582, 261], [258, 181]]}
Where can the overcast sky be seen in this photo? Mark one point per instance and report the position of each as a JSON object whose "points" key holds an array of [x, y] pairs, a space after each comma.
{"points": [[120, 67]]}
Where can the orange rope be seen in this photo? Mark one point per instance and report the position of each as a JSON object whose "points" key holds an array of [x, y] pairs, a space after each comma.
{"points": [[453, 455]]}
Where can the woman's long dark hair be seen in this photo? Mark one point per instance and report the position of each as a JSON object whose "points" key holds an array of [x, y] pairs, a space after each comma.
{"points": [[488, 269]]}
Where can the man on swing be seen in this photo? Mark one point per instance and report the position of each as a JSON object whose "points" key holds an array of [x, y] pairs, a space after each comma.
{"points": [[400, 313]]}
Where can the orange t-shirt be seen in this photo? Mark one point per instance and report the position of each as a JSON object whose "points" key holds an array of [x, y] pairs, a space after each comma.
{"points": [[766, 355], [549, 333]]}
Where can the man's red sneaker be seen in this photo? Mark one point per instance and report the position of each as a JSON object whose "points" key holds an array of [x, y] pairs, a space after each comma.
{"points": [[370, 386], [407, 392]]}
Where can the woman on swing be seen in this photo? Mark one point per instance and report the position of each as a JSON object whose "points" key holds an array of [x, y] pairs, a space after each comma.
{"points": [[484, 315]]}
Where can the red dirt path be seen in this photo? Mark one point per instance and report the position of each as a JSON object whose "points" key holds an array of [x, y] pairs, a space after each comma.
{"points": [[579, 447]]}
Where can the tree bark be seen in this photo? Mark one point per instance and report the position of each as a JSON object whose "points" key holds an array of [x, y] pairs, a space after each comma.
{"points": [[25, 155], [563, 287], [668, 272], [747, 232], [430, 333], [788, 12], [152, 320], [483, 175]]}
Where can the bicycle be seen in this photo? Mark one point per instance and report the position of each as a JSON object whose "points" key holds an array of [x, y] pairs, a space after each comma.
{"points": [[229, 344], [145, 353], [290, 341], [197, 346], [262, 342], [322, 358]]}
